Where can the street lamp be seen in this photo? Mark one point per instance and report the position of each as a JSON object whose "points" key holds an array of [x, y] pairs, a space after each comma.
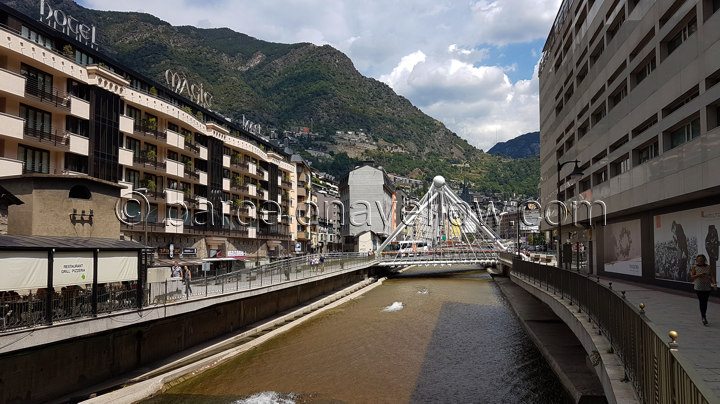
{"points": [[140, 285], [576, 173]]}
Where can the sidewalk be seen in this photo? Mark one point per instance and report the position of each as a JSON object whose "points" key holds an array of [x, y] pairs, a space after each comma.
{"points": [[679, 311]]}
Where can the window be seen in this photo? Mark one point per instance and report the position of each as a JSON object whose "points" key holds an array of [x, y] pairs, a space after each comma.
{"points": [[135, 114], [226, 173], [683, 134], [152, 216], [172, 184], [38, 38], [644, 126], [600, 176], [133, 177], [37, 122], [134, 145], [618, 95], [585, 184], [620, 166], [79, 90], [681, 100], [77, 163], [644, 70], [598, 115], [77, 126], [35, 160], [226, 151], [83, 58], [38, 83], [647, 152], [173, 127], [684, 33], [172, 155]]}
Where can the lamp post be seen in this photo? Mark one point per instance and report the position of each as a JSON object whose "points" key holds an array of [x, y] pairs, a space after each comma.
{"points": [[576, 173], [141, 286]]}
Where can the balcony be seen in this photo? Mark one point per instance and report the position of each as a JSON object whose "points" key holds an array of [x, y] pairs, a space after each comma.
{"points": [[285, 184], [191, 147], [127, 124], [145, 162], [79, 144], [203, 152], [58, 99], [57, 138], [175, 139], [10, 167], [243, 189], [147, 129], [242, 167], [79, 108], [174, 168], [125, 157], [226, 184], [226, 160], [12, 83], [191, 174], [11, 126]]}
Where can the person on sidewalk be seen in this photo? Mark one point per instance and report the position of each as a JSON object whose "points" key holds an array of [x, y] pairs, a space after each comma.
{"points": [[187, 277], [703, 280]]}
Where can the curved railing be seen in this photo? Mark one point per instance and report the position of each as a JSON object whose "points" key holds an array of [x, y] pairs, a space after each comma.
{"points": [[655, 370]]}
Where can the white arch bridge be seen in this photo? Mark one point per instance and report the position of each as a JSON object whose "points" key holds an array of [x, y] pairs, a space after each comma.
{"points": [[441, 229]]}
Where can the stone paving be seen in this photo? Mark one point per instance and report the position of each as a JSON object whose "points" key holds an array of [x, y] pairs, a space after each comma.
{"points": [[679, 311]]}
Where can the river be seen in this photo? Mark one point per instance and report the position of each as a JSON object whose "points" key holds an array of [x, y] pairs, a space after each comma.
{"points": [[414, 339]]}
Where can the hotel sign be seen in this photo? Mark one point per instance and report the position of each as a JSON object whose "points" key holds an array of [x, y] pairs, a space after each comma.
{"points": [[67, 24], [179, 83]]}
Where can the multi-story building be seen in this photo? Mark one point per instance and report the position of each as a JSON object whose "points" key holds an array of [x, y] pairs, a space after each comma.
{"points": [[211, 186], [305, 209], [368, 198], [629, 88], [325, 189]]}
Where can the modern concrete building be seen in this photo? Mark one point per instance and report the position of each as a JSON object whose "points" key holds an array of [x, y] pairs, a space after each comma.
{"points": [[629, 88], [368, 198], [68, 109]]}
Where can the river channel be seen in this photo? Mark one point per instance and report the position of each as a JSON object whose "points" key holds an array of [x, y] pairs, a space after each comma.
{"points": [[413, 339]]}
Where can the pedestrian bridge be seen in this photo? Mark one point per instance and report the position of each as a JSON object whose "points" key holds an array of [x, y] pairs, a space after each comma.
{"points": [[441, 229]]}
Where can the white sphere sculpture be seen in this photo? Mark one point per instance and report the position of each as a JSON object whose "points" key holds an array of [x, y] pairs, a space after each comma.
{"points": [[439, 181]]}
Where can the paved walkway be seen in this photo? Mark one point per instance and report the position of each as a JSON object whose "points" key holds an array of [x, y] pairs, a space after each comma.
{"points": [[679, 311]]}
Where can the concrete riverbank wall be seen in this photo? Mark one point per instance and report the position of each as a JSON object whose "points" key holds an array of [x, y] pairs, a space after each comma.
{"points": [[68, 363]]}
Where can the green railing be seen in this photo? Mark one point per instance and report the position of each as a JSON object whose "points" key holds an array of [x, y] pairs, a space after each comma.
{"points": [[654, 368]]}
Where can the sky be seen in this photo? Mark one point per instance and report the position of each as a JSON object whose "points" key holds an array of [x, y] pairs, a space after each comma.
{"points": [[470, 64]]}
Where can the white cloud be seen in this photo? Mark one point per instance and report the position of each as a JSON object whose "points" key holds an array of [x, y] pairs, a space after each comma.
{"points": [[436, 53]]}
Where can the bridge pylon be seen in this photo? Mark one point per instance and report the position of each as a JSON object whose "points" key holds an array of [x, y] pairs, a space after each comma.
{"points": [[440, 229]]}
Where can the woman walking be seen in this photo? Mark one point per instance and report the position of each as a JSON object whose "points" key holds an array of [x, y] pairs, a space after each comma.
{"points": [[186, 277], [703, 280]]}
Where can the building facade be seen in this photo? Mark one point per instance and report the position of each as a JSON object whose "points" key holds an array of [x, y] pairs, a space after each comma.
{"points": [[629, 88], [368, 198], [192, 179]]}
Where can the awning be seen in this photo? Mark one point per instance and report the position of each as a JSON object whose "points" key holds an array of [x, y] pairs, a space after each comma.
{"points": [[180, 261], [223, 259]]}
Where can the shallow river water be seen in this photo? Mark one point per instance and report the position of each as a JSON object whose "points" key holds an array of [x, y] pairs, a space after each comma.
{"points": [[450, 339]]}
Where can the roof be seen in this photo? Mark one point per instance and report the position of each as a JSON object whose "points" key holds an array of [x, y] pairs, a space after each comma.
{"points": [[8, 242]]}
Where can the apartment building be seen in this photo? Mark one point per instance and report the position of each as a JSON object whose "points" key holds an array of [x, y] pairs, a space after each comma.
{"points": [[203, 185], [629, 88]]}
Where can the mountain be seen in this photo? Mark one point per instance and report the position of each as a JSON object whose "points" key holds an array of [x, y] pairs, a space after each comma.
{"points": [[523, 146], [287, 86]]}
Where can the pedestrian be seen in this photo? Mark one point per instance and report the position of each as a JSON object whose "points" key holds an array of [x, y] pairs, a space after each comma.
{"points": [[186, 277], [703, 280], [176, 271], [322, 263]]}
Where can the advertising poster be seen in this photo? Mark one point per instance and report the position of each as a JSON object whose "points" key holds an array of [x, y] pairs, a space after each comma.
{"points": [[622, 248], [681, 236]]}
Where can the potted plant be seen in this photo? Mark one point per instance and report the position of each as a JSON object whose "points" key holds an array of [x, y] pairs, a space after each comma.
{"points": [[187, 191], [153, 91], [151, 185], [68, 51], [152, 123], [188, 137], [151, 155], [189, 165], [237, 181]]}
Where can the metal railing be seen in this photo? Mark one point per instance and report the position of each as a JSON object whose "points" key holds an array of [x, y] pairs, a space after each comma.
{"points": [[56, 137], [54, 97], [656, 372], [35, 309]]}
